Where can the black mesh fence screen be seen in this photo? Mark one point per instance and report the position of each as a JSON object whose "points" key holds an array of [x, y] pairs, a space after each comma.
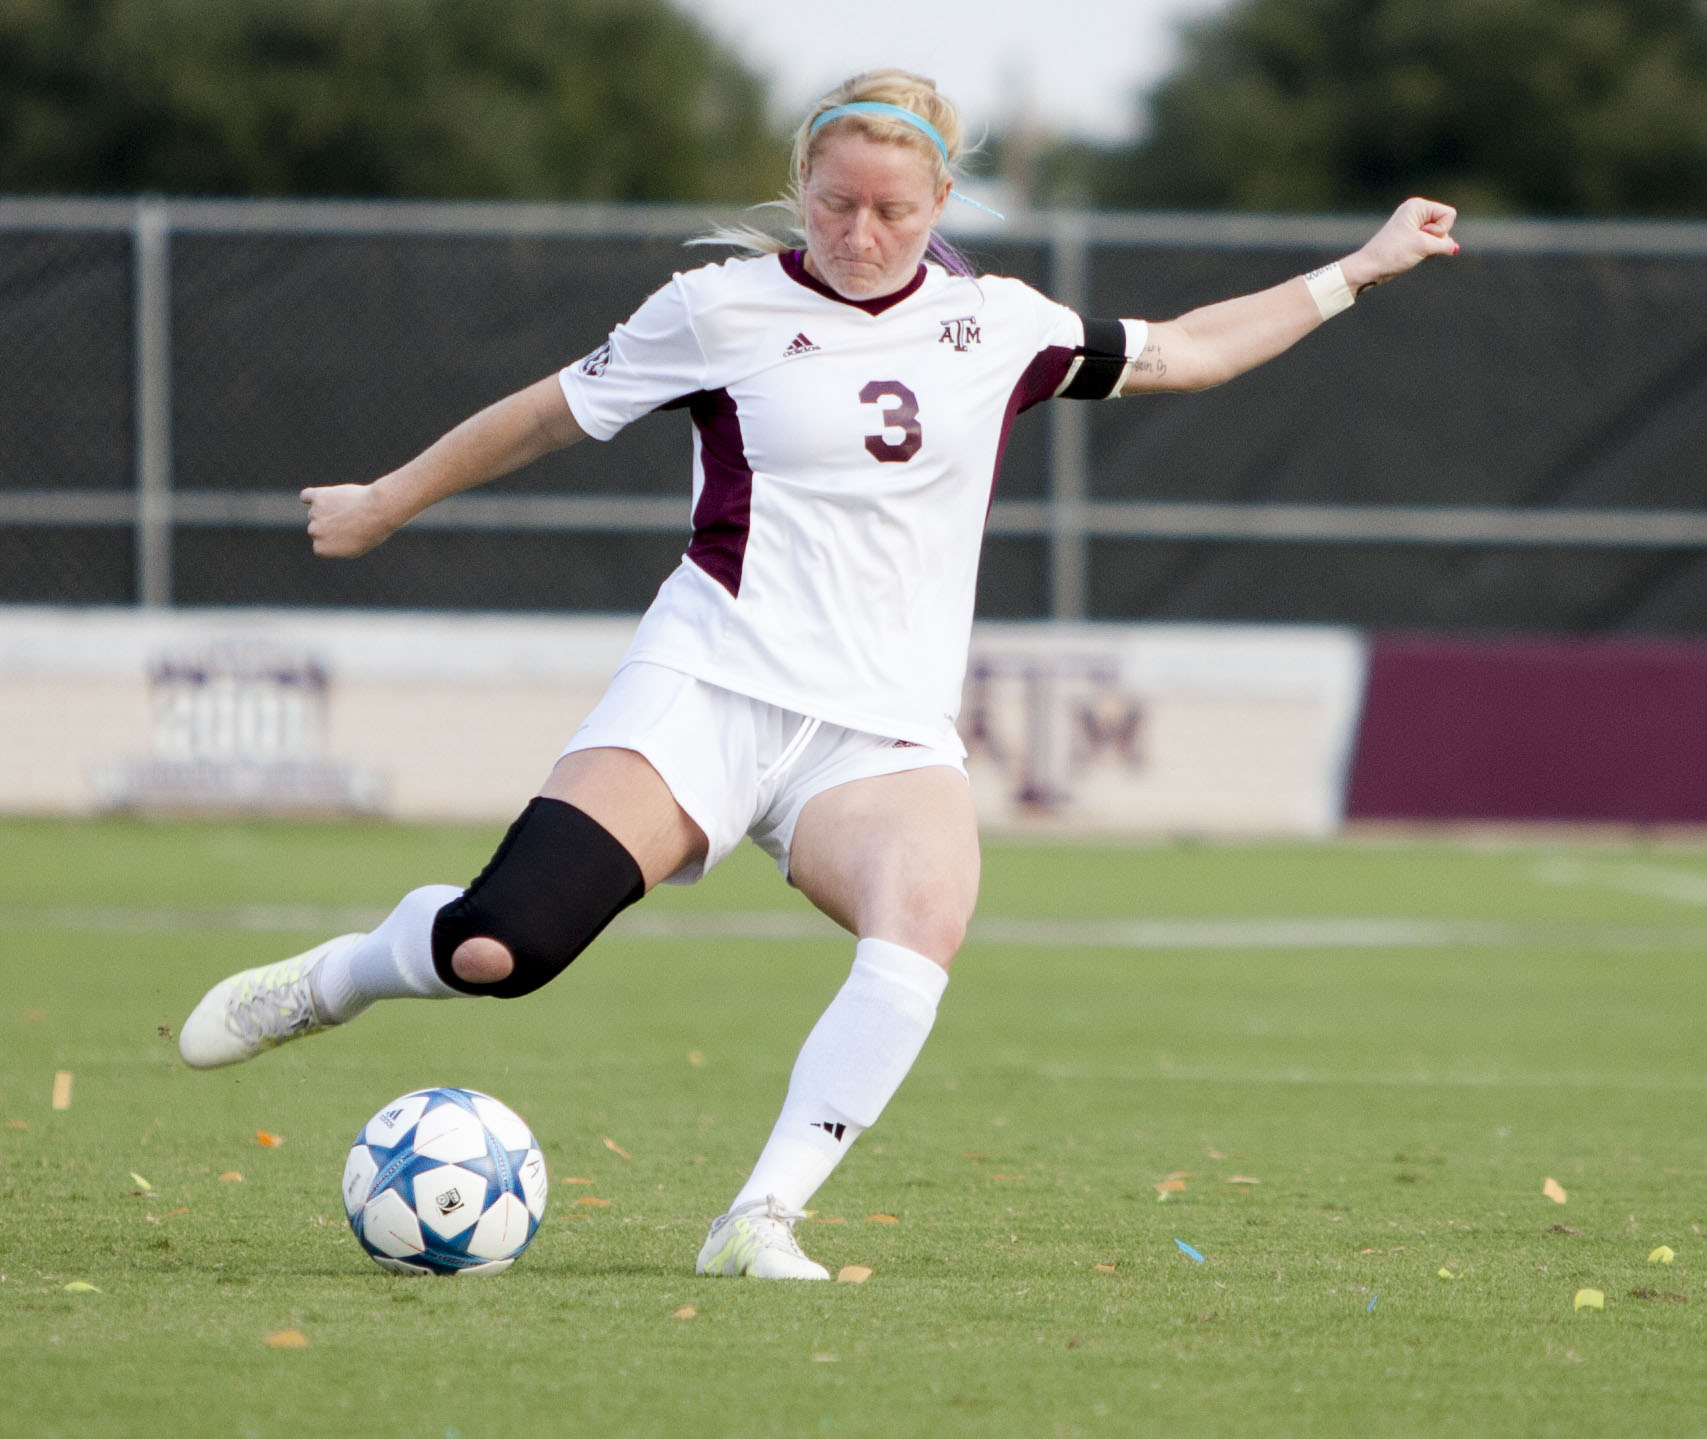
{"points": [[1504, 379], [304, 359], [64, 565], [65, 409], [1404, 587], [65, 361], [1576, 381], [300, 356], [428, 569]]}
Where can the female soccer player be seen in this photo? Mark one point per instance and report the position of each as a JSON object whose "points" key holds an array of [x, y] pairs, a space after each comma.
{"points": [[798, 675]]}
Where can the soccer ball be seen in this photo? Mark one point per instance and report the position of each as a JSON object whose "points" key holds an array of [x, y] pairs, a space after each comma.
{"points": [[445, 1181]]}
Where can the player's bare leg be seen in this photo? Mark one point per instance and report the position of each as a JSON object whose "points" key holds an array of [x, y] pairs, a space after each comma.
{"points": [[894, 859]]}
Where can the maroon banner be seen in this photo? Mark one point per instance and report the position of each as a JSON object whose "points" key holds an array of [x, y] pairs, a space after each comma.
{"points": [[1600, 730]]}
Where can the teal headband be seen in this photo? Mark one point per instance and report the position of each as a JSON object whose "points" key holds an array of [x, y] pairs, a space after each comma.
{"points": [[896, 112], [893, 112]]}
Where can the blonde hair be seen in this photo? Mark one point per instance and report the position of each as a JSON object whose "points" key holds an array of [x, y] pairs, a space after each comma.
{"points": [[890, 87]]}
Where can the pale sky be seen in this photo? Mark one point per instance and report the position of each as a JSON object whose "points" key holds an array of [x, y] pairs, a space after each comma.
{"points": [[1072, 66]]}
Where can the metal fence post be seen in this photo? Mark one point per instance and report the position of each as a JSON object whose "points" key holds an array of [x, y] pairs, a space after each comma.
{"points": [[152, 378], [1069, 440]]}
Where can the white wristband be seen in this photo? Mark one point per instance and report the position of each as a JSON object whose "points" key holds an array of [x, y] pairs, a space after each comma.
{"points": [[1329, 290]]}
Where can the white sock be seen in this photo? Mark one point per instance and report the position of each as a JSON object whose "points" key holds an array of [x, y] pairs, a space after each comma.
{"points": [[852, 1062], [393, 962]]}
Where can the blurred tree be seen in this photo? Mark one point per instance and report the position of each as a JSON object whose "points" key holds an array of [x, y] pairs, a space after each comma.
{"points": [[1554, 107], [538, 99]]}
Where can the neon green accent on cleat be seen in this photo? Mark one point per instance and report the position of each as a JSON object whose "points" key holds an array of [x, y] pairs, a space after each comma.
{"points": [[757, 1241], [254, 1011]]}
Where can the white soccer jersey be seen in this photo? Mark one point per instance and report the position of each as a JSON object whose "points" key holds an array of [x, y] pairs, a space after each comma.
{"points": [[844, 458]]}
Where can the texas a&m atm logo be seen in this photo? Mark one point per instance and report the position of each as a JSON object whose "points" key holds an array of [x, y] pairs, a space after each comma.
{"points": [[961, 333]]}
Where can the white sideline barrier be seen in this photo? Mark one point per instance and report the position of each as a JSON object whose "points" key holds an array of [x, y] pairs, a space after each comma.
{"points": [[1163, 729], [1141, 729]]}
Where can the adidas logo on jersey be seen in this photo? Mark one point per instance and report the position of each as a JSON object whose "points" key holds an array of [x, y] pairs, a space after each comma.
{"points": [[799, 345]]}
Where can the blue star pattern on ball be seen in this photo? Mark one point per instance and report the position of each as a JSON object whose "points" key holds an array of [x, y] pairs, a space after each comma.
{"points": [[445, 1181]]}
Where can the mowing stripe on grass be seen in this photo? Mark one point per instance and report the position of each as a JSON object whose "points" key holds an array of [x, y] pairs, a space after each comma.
{"points": [[1678, 886], [1324, 933], [1280, 933]]}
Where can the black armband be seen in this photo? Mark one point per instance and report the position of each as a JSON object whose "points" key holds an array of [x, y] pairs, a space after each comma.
{"points": [[1099, 364]]}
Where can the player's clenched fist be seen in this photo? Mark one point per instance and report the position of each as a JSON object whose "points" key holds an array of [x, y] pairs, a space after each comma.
{"points": [[1416, 230], [345, 520]]}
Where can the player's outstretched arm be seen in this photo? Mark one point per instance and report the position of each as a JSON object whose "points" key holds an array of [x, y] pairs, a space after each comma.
{"points": [[349, 520], [1211, 345]]}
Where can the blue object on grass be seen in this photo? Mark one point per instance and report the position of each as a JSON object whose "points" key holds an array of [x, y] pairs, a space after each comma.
{"points": [[1192, 1253], [1372, 1298]]}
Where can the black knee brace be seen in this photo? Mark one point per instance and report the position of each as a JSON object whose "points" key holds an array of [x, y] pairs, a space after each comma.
{"points": [[557, 879]]}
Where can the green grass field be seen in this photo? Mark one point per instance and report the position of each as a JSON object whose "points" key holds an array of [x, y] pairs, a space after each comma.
{"points": [[1362, 1060]]}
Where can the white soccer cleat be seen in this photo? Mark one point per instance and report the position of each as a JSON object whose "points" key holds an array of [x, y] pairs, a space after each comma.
{"points": [[254, 1011], [757, 1240]]}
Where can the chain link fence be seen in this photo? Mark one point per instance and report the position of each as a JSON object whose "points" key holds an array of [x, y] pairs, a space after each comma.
{"points": [[66, 413], [1510, 441]]}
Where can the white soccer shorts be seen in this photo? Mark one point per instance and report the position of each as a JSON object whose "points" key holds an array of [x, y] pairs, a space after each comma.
{"points": [[737, 765]]}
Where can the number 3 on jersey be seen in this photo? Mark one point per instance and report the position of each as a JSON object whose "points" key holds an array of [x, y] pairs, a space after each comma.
{"points": [[902, 415]]}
